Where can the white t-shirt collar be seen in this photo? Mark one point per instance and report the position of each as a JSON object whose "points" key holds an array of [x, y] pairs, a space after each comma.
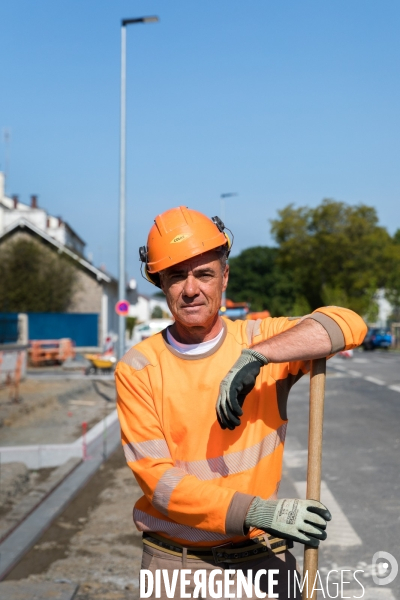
{"points": [[194, 349]]}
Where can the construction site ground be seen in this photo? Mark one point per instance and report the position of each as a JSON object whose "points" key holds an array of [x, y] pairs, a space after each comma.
{"points": [[94, 542], [51, 411]]}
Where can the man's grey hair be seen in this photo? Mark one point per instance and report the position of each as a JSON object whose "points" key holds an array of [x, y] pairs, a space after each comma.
{"points": [[223, 253]]}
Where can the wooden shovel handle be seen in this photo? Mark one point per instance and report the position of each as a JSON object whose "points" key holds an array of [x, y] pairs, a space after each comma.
{"points": [[316, 419]]}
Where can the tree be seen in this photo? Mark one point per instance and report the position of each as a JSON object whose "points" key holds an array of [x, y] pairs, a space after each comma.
{"points": [[337, 253], [34, 278], [392, 291], [256, 277], [396, 237], [157, 313], [130, 323]]}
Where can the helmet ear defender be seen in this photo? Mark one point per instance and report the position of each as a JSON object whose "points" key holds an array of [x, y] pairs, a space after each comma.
{"points": [[154, 278], [219, 223]]}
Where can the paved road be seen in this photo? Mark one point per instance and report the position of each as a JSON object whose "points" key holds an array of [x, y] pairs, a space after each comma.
{"points": [[361, 466]]}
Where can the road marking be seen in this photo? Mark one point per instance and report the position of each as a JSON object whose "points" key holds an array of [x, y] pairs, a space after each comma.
{"points": [[371, 593], [354, 373], [340, 532], [374, 380], [295, 458], [340, 367]]}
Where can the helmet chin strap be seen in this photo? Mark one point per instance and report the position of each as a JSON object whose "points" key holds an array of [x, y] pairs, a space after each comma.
{"points": [[153, 278]]}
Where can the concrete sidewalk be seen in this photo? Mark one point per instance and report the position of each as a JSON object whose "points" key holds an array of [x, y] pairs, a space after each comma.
{"points": [[41, 456]]}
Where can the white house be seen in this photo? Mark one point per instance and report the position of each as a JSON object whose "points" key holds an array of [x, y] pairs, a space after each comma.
{"points": [[12, 211], [97, 291], [145, 305]]}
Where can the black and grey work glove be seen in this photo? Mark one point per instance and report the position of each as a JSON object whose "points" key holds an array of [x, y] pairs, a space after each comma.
{"points": [[236, 385], [302, 521]]}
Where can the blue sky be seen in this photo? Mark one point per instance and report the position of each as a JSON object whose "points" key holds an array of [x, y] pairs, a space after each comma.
{"points": [[280, 101]]}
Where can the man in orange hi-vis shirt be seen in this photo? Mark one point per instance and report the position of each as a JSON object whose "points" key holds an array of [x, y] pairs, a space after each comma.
{"points": [[202, 408]]}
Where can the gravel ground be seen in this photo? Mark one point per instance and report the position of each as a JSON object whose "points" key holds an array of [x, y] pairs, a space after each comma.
{"points": [[94, 542], [16, 481], [52, 412]]}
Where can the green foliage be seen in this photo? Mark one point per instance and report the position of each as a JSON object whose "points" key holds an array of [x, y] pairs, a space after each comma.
{"points": [[34, 278], [336, 253], [396, 237], [372, 314], [130, 323], [300, 307], [392, 288], [157, 313], [256, 277]]}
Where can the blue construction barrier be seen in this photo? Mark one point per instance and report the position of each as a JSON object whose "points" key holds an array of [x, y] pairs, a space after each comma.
{"points": [[81, 328], [8, 328]]}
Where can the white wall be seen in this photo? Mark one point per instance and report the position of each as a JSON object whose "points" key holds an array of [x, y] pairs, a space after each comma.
{"points": [[58, 233], [161, 303], [144, 308], [62, 233], [110, 296], [385, 308], [36, 216], [141, 310]]}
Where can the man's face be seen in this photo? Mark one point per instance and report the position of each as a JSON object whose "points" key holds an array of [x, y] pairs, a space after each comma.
{"points": [[193, 289]]}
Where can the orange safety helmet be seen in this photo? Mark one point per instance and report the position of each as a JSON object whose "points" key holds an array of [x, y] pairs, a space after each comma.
{"points": [[178, 234]]}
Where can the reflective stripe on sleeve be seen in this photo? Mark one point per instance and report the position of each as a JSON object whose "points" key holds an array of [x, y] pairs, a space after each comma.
{"points": [[165, 486], [148, 523], [149, 449], [145, 522]]}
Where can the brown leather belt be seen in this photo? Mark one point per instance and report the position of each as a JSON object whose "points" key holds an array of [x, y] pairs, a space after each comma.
{"points": [[225, 553]]}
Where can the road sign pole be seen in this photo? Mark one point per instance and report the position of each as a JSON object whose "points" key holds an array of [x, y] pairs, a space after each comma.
{"points": [[122, 180]]}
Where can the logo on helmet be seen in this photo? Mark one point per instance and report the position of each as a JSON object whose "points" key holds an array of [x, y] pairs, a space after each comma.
{"points": [[180, 238]]}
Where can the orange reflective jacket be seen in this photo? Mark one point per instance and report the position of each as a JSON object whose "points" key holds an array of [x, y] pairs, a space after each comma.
{"points": [[198, 481]]}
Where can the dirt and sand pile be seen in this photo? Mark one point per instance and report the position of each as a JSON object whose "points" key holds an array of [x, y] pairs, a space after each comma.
{"points": [[14, 481]]}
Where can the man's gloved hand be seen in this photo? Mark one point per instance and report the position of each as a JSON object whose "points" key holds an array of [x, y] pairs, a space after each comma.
{"points": [[236, 385], [302, 521]]}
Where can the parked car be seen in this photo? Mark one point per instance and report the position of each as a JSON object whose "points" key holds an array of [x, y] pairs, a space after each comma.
{"points": [[377, 338]]}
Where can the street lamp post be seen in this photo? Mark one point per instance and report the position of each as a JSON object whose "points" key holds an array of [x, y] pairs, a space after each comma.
{"points": [[223, 196], [122, 179]]}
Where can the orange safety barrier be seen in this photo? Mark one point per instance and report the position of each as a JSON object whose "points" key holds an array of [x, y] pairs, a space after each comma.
{"points": [[43, 351]]}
